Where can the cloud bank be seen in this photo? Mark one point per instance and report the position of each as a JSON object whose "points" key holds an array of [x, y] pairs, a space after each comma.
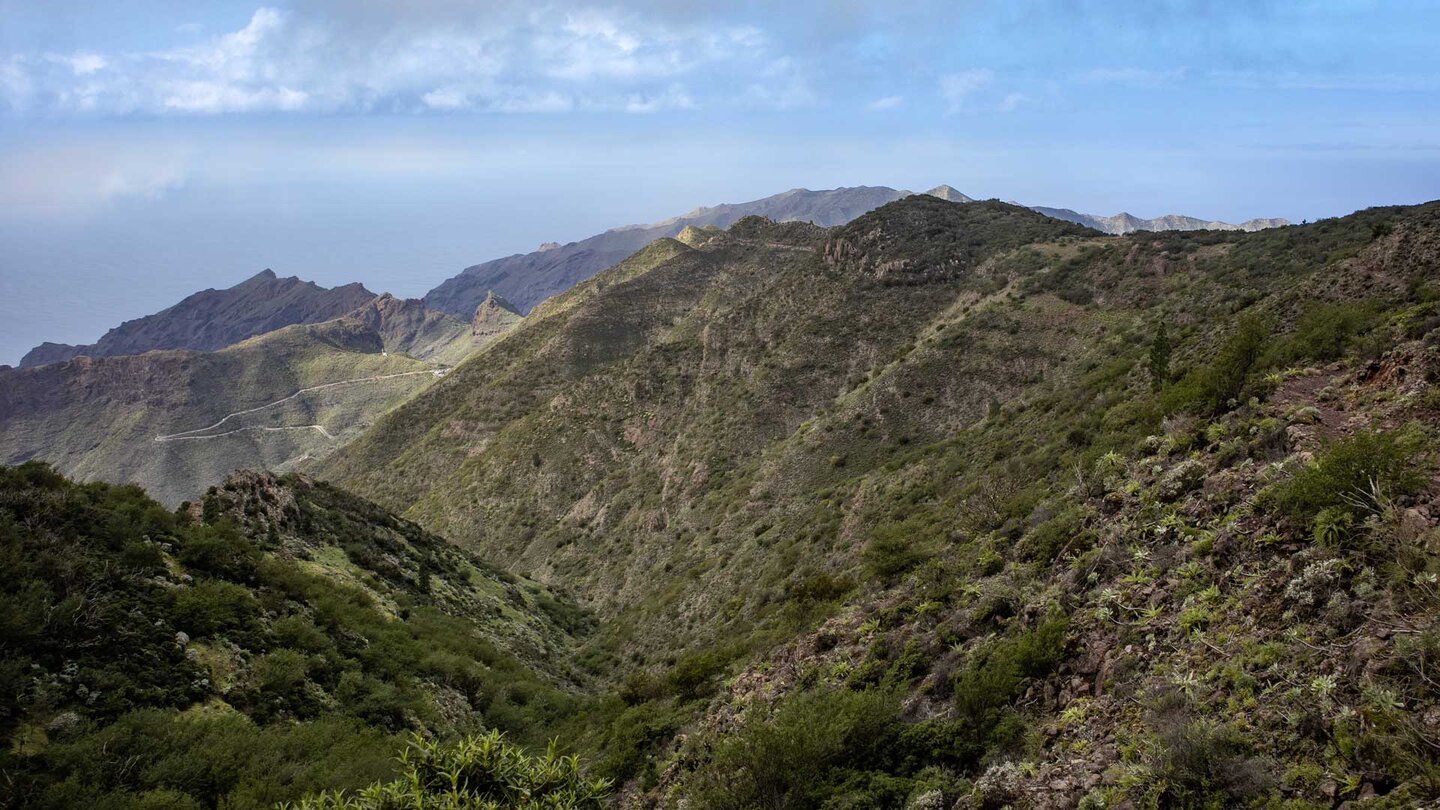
{"points": [[501, 59]]}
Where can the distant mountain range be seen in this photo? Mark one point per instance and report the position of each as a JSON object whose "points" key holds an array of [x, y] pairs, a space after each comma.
{"points": [[1123, 223], [529, 278], [214, 319]]}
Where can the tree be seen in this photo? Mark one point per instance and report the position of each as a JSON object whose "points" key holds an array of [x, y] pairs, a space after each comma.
{"points": [[1160, 358]]}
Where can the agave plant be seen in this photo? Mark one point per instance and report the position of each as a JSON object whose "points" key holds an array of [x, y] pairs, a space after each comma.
{"points": [[475, 773]]}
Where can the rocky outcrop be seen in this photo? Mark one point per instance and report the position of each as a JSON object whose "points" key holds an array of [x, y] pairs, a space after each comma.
{"points": [[494, 317]]}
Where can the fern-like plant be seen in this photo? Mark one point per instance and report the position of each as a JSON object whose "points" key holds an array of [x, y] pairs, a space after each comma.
{"points": [[475, 773]]}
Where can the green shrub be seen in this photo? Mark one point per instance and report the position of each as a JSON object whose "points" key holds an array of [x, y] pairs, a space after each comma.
{"points": [[895, 548], [220, 551], [1204, 765], [693, 675], [631, 738], [1324, 333], [1347, 476], [1212, 388], [807, 749], [212, 607], [480, 772], [993, 679], [143, 556]]}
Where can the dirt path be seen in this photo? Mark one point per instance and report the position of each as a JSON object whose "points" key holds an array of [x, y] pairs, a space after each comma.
{"points": [[178, 438], [192, 434]]}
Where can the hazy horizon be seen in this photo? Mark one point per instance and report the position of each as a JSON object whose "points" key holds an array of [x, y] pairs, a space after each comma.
{"points": [[149, 150]]}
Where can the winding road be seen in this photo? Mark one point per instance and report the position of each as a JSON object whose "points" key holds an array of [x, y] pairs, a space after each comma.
{"points": [[192, 435]]}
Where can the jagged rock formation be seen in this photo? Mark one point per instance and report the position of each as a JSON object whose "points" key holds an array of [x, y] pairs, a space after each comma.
{"points": [[214, 319], [494, 317]]}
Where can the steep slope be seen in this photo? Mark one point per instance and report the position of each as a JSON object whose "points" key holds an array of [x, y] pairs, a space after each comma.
{"points": [[177, 422], [278, 638], [1191, 568], [527, 279], [494, 317], [959, 504], [634, 398], [213, 319]]}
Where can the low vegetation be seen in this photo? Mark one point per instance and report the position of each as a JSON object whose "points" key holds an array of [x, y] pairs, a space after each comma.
{"points": [[906, 514]]}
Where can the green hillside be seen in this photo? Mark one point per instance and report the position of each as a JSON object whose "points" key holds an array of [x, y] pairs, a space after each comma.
{"points": [[954, 506], [1007, 505], [278, 637]]}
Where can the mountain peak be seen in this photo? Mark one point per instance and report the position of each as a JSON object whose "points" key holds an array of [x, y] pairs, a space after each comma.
{"points": [[493, 316], [950, 193], [494, 300]]}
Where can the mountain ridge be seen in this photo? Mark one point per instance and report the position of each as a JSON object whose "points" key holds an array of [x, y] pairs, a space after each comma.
{"points": [[270, 400], [528, 278], [213, 319]]}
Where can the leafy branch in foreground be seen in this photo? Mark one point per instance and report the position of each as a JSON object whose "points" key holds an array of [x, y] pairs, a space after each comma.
{"points": [[475, 773]]}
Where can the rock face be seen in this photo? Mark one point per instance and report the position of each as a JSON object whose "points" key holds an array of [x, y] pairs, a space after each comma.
{"points": [[494, 317], [407, 326], [949, 194], [214, 319]]}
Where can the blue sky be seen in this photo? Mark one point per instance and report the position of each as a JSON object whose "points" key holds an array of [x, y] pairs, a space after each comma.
{"points": [[150, 148]]}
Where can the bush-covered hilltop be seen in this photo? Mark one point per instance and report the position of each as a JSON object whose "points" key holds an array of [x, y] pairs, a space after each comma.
{"points": [[954, 506], [1000, 510], [277, 638]]}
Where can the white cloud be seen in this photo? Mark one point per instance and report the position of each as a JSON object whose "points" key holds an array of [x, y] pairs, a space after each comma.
{"points": [[886, 103], [956, 87], [499, 58]]}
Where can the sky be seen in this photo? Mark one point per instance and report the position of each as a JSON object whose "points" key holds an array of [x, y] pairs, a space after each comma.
{"points": [[152, 148]]}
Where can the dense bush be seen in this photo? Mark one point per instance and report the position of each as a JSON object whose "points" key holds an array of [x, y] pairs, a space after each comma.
{"points": [[990, 683], [485, 773], [805, 750], [1203, 765], [1349, 474], [895, 548], [1324, 332], [1214, 387], [104, 636]]}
